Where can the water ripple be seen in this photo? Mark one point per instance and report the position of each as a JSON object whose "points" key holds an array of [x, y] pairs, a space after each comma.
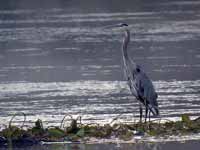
{"points": [[93, 98]]}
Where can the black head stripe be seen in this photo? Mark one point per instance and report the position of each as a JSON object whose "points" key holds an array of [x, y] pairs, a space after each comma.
{"points": [[124, 24]]}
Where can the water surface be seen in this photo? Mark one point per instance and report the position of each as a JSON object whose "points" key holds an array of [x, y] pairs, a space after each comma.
{"points": [[193, 145]]}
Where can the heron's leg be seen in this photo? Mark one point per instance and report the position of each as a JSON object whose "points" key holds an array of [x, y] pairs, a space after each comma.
{"points": [[146, 113], [146, 110], [141, 113], [149, 115]]}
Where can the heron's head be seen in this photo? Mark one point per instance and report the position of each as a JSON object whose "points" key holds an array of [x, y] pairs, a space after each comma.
{"points": [[119, 26], [123, 25]]}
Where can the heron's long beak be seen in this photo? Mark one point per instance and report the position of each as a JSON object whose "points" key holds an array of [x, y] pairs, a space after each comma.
{"points": [[111, 26]]}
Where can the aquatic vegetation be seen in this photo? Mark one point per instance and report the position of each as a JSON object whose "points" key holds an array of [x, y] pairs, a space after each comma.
{"points": [[78, 132], [38, 129]]}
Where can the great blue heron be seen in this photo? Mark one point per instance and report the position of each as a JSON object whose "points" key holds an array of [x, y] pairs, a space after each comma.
{"points": [[139, 83]]}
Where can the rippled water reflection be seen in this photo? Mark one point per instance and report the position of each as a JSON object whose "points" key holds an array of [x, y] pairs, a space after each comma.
{"points": [[98, 101]]}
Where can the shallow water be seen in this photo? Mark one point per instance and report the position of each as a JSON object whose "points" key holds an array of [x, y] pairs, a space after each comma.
{"points": [[56, 59], [95, 101]]}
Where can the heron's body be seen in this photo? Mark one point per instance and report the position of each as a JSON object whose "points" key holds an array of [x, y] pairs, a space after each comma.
{"points": [[139, 83]]}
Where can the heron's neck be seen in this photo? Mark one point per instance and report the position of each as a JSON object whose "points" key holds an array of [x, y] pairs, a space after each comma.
{"points": [[125, 44]]}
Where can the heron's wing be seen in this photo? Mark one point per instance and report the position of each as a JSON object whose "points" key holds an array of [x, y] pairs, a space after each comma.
{"points": [[132, 86], [141, 86], [144, 86], [130, 80], [146, 91]]}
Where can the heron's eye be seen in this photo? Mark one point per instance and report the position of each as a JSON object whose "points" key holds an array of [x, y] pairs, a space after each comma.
{"points": [[138, 70]]}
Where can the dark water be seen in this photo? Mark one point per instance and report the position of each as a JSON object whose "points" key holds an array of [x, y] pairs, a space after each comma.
{"points": [[192, 145], [56, 59]]}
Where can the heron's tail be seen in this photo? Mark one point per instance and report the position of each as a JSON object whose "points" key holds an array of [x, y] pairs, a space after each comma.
{"points": [[154, 110]]}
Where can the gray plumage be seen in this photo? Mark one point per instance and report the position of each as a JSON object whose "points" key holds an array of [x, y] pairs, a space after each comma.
{"points": [[139, 83]]}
